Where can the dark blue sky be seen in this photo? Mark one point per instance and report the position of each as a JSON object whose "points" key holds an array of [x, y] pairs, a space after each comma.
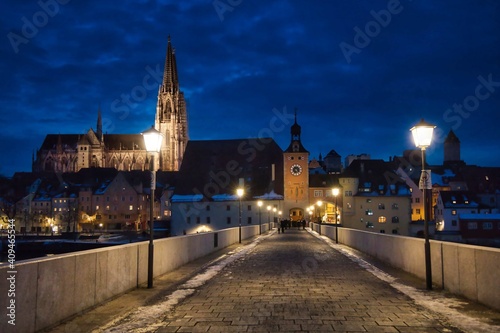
{"points": [[361, 73]]}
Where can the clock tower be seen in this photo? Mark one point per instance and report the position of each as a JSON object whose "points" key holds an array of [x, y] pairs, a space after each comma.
{"points": [[296, 176]]}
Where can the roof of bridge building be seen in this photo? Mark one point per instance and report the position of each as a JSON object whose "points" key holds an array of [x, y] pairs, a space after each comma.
{"points": [[215, 167]]}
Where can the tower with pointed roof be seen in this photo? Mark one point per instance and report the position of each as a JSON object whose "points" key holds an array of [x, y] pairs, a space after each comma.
{"points": [[171, 116], [296, 175]]}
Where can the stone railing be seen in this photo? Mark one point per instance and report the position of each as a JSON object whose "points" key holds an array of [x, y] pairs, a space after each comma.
{"points": [[466, 270], [47, 291]]}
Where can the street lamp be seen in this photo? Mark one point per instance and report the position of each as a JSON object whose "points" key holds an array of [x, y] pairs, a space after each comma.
{"points": [[152, 140], [259, 203], [269, 214], [319, 203], [239, 193], [335, 192], [422, 135]]}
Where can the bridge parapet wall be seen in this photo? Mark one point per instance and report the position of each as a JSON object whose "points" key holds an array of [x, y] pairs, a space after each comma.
{"points": [[466, 270], [49, 290]]}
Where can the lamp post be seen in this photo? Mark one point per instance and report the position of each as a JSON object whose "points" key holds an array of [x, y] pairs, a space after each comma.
{"points": [[268, 213], [259, 203], [152, 140], [239, 193], [319, 203], [335, 192], [422, 135]]}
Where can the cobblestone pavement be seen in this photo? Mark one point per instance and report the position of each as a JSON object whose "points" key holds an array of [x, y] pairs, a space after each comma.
{"points": [[294, 282]]}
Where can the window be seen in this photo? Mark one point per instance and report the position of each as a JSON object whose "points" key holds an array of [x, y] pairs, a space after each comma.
{"points": [[487, 226], [394, 231], [381, 206], [395, 206], [348, 193], [123, 198], [382, 219], [369, 212], [395, 219], [318, 193], [198, 220], [249, 207], [131, 207], [417, 211], [472, 225], [110, 217], [97, 207], [96, 199], [208, 219], [127, 216], [107, 207], [228, 208], [188, 219], [382, 231], [454, 223], [228, 220], [453, 212], [368, 200], [207, 208], [249, 220], [417, 200]]}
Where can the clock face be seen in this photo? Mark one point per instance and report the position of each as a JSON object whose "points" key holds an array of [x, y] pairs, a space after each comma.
{"points": [[296, 169]]}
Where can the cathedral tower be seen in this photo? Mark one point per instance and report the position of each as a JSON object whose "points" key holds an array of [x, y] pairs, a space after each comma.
{"points": [[171, 116]]}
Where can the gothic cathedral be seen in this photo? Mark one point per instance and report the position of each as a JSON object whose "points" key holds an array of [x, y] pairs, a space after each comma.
{"points": [[72, 152], [296, 176]]}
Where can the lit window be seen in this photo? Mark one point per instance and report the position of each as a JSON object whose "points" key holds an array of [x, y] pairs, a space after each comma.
{"points": [[131, 207], [453, 212], [96, 207], [382, 219], [369, 212]]}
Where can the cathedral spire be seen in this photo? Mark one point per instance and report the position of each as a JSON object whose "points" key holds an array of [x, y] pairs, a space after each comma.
{"points": [[99, 124], [170, 80]]}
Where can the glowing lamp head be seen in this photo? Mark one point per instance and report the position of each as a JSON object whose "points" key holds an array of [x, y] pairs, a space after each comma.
{"points": [[422, 134], [152, 140], [259, 203], [239, 192], [335, 192]]}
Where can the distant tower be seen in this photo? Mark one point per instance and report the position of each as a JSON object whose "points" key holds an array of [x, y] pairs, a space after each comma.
{"points": [[451, 148], [171, 116], [98, 132], [296, 176]]}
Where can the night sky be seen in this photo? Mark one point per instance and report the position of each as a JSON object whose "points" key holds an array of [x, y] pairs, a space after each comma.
{"points": [[360, 73]]}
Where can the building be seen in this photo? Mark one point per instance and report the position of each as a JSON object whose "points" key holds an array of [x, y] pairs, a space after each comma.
{"points": [[205, 199], [124, 152], [375, 198]]}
